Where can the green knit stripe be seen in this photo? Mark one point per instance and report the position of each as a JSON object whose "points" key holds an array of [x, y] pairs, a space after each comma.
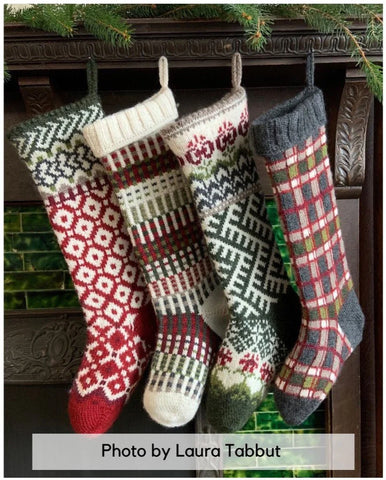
{"points": [[155, 197]]}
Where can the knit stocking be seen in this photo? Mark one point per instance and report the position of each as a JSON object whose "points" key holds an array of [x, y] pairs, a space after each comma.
{"points": [[292, 138], [213, 149], [86, 219], [164, 229]]}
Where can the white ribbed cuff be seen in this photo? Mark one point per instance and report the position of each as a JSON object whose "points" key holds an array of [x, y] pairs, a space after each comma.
{"points": [[127, 126]]}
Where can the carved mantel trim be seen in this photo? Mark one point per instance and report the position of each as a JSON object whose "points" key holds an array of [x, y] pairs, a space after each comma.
{"points": [[351, 129], [37, 94], [43, 346], [213, 42]]}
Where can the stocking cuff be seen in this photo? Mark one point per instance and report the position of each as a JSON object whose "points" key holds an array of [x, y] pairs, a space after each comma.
{"points": [[127, 126], [289, 124]]}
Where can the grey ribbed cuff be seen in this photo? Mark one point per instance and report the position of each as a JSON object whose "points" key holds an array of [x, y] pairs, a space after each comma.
{"points": [[289, 124]]}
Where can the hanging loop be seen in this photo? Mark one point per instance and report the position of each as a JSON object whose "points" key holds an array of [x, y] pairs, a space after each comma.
{"points": [[310, 69], [236, 70], [163, 70], [92, 77]]}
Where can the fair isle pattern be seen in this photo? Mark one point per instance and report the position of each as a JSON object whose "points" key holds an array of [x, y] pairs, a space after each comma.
{"points": [[164, 228], [90, 229], [216, 159], [85, 216], [185, 350], [304, 190], [252, 273], [56, 152]]}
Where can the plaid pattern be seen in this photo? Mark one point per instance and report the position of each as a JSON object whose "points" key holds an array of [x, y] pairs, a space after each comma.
{"points": [[304, 191], [163, 225]]}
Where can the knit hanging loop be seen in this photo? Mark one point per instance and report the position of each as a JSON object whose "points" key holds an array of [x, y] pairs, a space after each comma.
{"points": [[163, 72], [92, 77], [310, 69], [236, 70]]}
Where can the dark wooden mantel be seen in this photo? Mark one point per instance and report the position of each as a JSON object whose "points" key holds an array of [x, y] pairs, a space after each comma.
{"points": [[208, 41], [199, 54]]}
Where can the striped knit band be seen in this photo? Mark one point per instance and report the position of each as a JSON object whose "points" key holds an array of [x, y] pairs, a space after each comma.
{"points": [[289, 124], [127, 126]]}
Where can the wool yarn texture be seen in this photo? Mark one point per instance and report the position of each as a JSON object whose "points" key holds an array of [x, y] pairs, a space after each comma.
{"points": [[213, 150], [163, 226], [292, 138], [84, 213]]}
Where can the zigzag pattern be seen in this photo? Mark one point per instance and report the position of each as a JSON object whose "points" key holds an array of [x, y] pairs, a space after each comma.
{"points": [[43, 137], [241, 242], [57, 153], [229, 179]]}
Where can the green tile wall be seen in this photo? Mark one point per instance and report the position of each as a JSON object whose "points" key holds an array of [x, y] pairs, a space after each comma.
{"points": [[36, 276], [35, 272]]}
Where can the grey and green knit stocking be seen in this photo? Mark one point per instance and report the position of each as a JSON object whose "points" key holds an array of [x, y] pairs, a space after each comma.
{"points": [[213, 150]]}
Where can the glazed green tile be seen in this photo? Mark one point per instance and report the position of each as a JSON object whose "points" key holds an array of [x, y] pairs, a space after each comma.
{"points": [[309, 430], [268, 405], [58, 299], [11, 222], [12, 209], [279, 235], [273, 214], [38, 208], [14, 301], [233, 474], [286, 431], [258, 473], [26, 281], [250, 425], [270, 421], [35, 242], [68, 283], [309, 473], [35, 222], [8, 242], [316, 420], [44, 261], [13, 262]]}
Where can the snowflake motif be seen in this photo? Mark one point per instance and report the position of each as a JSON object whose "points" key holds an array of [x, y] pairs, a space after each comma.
{"points": [[224, 356], [198, 149], [227, 135], [250, 362]]}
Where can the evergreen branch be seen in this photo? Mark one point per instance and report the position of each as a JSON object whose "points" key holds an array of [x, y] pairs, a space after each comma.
{"points": [[177, 9], [108, 22], [11, 15], [255, 20], [51, 18], [365, 12], [106, 25], [193, 11], [7, 75], [373, 72]]}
